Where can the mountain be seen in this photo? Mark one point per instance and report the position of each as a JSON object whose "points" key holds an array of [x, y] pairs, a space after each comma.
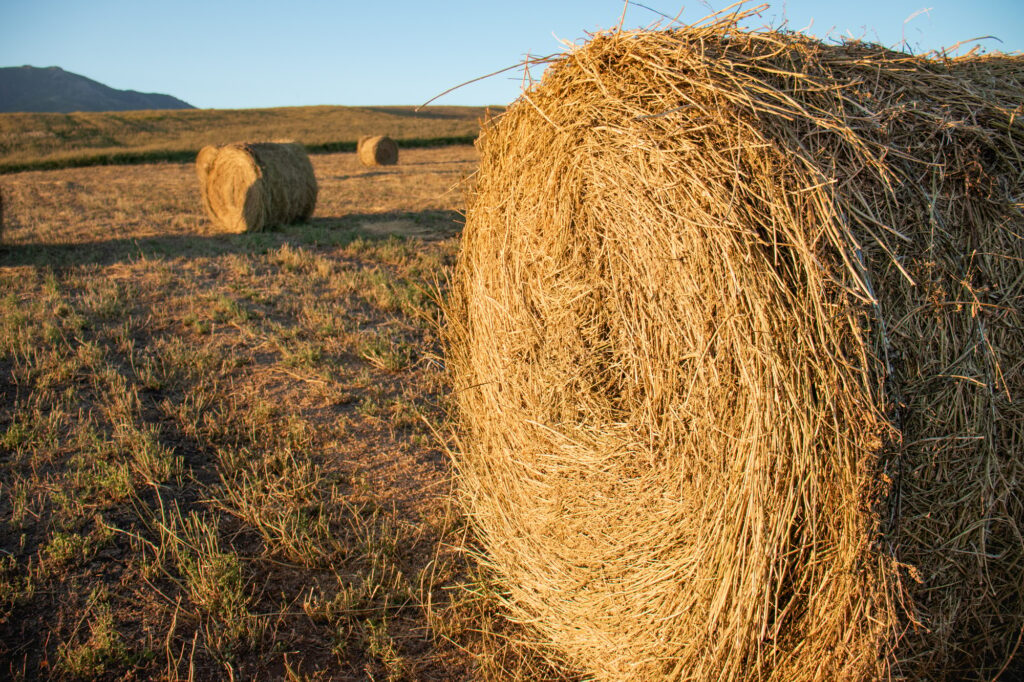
{"points": [[52, 89]]}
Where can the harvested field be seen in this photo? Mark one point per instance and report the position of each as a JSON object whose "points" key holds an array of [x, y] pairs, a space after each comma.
{"points": [[84, 205], [37, 141], [218, 457], [734, 335]]}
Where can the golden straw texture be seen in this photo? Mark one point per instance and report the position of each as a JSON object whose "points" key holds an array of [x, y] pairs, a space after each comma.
{"points": [[736, 337], [204, 160], [377, 150], [248, 187]]}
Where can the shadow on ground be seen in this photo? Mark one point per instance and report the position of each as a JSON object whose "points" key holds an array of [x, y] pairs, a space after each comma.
{"points": [[427, 113], [367, 174], [327, 231]]}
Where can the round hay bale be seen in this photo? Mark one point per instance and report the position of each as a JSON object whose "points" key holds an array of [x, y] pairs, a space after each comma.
{"points": [[377, 150], [249, 186], [735, 337], [204, 160]]}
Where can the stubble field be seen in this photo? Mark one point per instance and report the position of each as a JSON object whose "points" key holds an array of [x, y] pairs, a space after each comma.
{"points": [[221, 456]]}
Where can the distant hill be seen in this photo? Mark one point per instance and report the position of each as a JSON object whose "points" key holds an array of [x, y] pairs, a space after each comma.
{"points": [[52, 89]]}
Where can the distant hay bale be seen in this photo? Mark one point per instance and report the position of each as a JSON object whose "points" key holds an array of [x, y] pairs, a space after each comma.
{"points": [[247, 187], [736, 339], [377, 150], [204, 160]]}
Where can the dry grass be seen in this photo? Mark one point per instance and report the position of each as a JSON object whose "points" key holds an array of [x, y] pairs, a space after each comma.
{"points": [[161, 203], [64, 140], [204, 161], [736, 341], [247, 187], [217, 456]]}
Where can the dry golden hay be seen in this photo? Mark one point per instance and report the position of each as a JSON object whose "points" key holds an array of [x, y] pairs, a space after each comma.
{"points": [[252, 186], [204, 160], [737, 341], [377, 150]]}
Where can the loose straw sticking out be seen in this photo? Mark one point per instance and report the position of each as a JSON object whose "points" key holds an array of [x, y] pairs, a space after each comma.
{"points": [[248, 187], [377, 150], [735, 340]]}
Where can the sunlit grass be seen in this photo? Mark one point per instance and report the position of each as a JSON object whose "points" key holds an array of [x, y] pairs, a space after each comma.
{"points": [[29, 141], [219, 455]]}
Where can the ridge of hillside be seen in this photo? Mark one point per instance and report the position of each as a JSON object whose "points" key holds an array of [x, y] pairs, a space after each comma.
{"points": [[52, 89]]}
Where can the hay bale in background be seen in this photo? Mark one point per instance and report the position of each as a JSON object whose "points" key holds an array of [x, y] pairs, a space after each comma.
{"points": [[247, 187], [735, 335], [377, 150], [204, 160]]}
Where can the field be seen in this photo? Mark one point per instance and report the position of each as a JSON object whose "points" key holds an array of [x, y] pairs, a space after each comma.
{"points": [[38, 141], [223, 455]]}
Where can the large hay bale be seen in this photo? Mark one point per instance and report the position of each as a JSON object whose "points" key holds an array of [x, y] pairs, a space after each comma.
{"points": [[377, 150], [736, 339], [252, 186]]}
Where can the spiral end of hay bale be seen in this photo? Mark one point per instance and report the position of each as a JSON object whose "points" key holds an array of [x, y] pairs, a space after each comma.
{"points": [[377, 150], [725, 412], [248, 187]]}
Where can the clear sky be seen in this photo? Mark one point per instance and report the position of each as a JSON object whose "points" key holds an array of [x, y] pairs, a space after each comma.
{"points": [[258, 53]]}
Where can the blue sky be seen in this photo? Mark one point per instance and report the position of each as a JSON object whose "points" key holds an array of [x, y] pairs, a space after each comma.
{"points": [[231, 54]]}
